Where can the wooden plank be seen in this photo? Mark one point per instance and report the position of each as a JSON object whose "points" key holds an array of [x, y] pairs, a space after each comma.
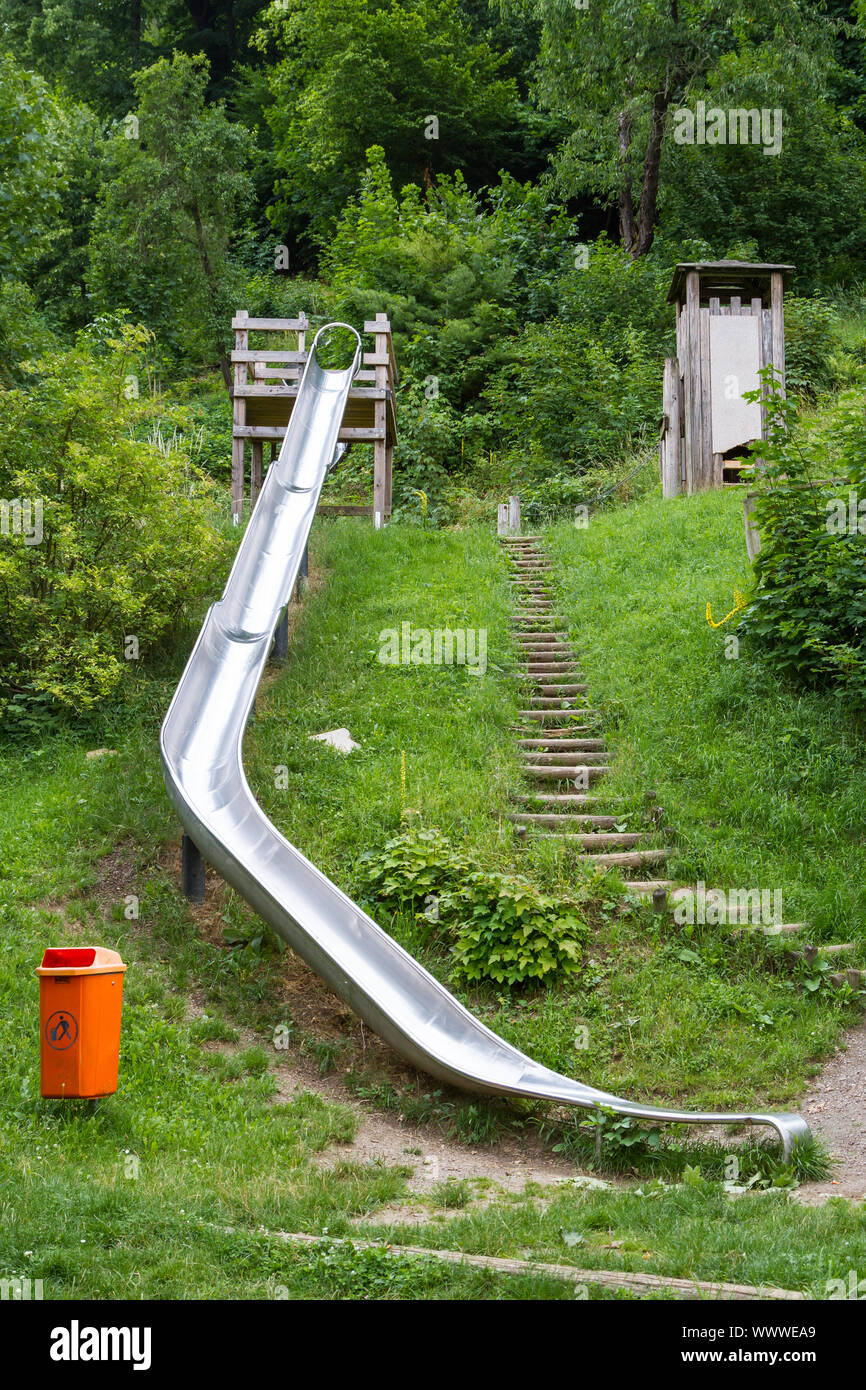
{"points": [[356, 393], [242, 320], [671, 463], [706, 461], [714, 304], [240, 325], [347, 434], [692, 378], [766, 349], [384, 344], [237, 478], [290, 373], [777, 324], [514, 516], [735, 304], [502, 519], [265, 355], [718, 470], [756, 311]]}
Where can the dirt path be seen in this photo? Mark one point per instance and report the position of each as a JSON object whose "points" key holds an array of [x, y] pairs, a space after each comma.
{"points": [[384, 1138], [835, 1108]]}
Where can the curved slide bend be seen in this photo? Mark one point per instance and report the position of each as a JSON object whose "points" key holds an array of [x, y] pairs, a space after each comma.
{"points": [[201, 744]]}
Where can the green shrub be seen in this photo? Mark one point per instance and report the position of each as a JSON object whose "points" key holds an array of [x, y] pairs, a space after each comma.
{"points": [[808, 613], [501, 927], [569, 397], [511, 932], [127, 544], [812, 341]]}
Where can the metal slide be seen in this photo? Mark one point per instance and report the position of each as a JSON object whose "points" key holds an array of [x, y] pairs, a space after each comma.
{"points": [[201, 744]]}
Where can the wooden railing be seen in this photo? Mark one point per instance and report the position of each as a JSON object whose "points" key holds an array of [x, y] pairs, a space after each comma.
{"points": [[263, 396]]}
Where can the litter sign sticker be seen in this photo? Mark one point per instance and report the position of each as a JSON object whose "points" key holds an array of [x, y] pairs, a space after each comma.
{"points": [[61, 1030]]}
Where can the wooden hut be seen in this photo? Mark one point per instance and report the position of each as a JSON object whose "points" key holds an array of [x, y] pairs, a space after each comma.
{"points": [[265, 386], [730, 325]]}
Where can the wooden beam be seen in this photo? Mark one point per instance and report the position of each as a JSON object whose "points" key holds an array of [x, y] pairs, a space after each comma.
{"points": [[706, 465], [243, 320], [692, 366], [671, 463], [778, 324], [239, 414]]}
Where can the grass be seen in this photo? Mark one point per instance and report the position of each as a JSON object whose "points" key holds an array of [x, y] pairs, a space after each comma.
{"points": [[132, 1200]]}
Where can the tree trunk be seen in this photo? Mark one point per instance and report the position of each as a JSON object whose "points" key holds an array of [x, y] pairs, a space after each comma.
{"points": [[648, 206], [627, 229], [210, 278]]}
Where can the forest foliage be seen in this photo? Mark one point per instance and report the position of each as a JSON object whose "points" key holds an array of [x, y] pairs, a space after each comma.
{"points": [[501, 178]]}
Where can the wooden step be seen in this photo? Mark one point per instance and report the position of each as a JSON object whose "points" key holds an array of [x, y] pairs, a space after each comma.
{"points": [[554, 701], [565, 774], [603, 840], [546, 716], [630, 860], [647, 885], [558, 688], [532, 758], [561, 822], [565, 744], [567, 798]]}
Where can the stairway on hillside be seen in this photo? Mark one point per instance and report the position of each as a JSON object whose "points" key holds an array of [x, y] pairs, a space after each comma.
{"points": [[565, 760]]}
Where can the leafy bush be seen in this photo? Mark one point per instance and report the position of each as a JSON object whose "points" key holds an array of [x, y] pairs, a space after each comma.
{"points": [[502, 927], [808, 614], [127, 545], [568, 396], [812, 328], [511, 932]]}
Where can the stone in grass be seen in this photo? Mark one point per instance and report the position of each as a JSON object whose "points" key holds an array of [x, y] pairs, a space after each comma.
{"points": [[340, 739]]}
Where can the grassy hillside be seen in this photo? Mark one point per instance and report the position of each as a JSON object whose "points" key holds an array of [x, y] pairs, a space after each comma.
{"points": [[130, 1199]]}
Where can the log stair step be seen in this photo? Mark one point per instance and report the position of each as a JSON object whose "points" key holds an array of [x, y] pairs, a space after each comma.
{"points": [[565, 774], [629, 860], [525, 818], [567, 799], [546, 716], [531, 758], [563, 744]]}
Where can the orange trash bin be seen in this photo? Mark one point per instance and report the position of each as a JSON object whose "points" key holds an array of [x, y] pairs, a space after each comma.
{"points": [[80, 997]]}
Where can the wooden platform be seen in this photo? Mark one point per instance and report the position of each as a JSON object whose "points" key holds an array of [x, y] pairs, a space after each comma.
{"points": [[265, 388]]}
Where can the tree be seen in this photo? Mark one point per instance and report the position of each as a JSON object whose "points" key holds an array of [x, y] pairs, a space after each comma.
{"points": [[31, 161], [408, 76], [619, 70], [163, 230]]}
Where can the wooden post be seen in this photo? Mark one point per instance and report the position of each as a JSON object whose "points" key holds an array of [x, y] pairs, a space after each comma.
{"points": [[502, 519], [671, 463], [514, 515], [381, 499], [256, 448], [753, 535], [706, 465], [757, 311], [777, 324], [193, 871], [389, 475], [239, 416], [694, 421], [280, 649]]}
